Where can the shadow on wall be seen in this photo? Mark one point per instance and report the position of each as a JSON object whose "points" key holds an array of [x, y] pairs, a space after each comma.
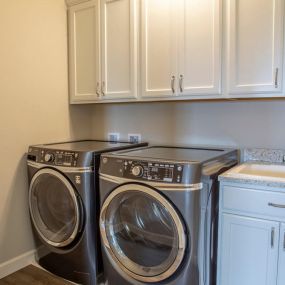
{"points": [[221, 123], [153, 120], [231, 123], [80, 121], [15, 214]]}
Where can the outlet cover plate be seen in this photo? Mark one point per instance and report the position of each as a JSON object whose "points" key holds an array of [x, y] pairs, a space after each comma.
{"points": [[134, 138], [114, 137]]}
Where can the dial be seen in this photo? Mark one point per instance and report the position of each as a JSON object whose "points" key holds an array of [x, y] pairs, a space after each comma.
{"points": [[49, 157], [137, 170]]}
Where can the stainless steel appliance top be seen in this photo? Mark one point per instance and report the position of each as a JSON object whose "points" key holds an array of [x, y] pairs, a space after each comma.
{"points": [[89, 146], [176, 154], [166, 164]]}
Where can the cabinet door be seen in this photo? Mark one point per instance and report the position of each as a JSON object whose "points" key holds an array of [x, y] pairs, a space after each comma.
{"points": [[119, 49], [200, 47], [281, 264], [255, 37], [84, 70], [248, 251], [158, 47]]}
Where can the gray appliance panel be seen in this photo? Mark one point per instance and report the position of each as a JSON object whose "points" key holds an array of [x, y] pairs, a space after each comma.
{"points": [[171, 153], [74, 154], [89, 146]]}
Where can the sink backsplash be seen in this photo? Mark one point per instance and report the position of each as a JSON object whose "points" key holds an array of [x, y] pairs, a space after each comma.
{"points": [[263, 154]]}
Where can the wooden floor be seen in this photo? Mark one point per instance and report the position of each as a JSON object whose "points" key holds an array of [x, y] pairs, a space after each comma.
{"points": [[32, 275]]}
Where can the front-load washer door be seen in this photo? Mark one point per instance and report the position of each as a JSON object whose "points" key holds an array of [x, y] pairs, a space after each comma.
{"points": [[55, 208], [142, 233]]}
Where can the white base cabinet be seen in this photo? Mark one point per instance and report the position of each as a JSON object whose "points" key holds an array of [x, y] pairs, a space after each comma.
{"points": [[281, 261], [251, 247], [249, 251]]}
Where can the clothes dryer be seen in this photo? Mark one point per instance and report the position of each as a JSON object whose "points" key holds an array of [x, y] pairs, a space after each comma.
{"points": [[64, 206], [158, 213]]}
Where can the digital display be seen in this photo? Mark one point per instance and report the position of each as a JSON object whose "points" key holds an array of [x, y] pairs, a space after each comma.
{"points": [[64, 159], [162, 170], [154, 169], [68, 159], [59, 159]]}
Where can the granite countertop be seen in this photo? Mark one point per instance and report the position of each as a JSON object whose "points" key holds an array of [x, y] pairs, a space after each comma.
{"points": [[262, 180]]}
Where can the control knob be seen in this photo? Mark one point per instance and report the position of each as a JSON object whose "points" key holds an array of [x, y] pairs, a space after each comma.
{"points": [[49, 157], [137, 170]]}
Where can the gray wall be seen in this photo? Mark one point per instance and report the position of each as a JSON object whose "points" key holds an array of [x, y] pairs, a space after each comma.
{"points": [[233, 123]]}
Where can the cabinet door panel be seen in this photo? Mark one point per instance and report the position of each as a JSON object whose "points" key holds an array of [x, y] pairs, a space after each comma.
{"points": [[83, 51], [248, 251], [255, 46], [200, 46], [158, 47], [118, 49], [281, 263]]}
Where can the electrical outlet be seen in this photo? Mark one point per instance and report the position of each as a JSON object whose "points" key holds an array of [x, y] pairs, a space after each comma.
{"points": [[135, 138], [114, 137]]}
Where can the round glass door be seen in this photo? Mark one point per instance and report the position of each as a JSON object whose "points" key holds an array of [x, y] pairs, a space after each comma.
{"points": [[54, 208], [143, 233]]}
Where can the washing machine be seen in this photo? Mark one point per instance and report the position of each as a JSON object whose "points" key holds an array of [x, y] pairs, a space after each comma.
{"points": [[158, 214], [64, 206]]}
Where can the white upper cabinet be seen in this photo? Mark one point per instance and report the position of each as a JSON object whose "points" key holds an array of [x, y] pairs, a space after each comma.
{"points": [[154, 50], [84, 57], [200, 47], [158, 47], [180, 47], [75, 2], [255, 46], [103, 50], [118, 49]]}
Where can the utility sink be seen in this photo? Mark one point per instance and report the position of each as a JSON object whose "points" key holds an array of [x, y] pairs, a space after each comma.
{"points": [[264, 170]]}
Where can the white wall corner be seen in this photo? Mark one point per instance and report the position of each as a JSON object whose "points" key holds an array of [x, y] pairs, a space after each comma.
{"points": [[17, 263]]}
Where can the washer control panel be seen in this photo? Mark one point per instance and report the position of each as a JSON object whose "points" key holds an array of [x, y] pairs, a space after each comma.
{"points": [[54, 157], [153, 171]]}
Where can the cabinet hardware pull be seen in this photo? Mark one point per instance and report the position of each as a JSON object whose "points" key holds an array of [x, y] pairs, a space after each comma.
{"points": [[181, 83], [172, 84], [276, 77], [276, 205], [272, 237], [103, 88], [98, 89], [284, 242]]}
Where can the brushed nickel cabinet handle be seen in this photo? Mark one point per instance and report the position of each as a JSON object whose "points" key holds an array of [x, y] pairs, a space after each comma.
{"points": [[181, 78], [276, 205], [98, 89], [173, 84], [276, 77], [284, 242], [103, 88], [272, 237]]}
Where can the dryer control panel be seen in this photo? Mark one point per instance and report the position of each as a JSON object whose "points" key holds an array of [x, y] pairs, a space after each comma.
{"points": [[54, 157], [153, 171]]}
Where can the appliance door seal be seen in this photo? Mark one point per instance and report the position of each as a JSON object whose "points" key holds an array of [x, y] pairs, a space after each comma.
{"points": [[55, 207], [142, 232]]}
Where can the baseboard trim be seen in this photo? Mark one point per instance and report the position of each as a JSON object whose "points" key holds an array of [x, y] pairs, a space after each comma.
{"points": [[17, 263]]}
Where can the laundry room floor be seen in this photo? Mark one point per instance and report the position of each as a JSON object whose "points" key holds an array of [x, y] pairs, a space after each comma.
{"points": [[32, 275]]}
